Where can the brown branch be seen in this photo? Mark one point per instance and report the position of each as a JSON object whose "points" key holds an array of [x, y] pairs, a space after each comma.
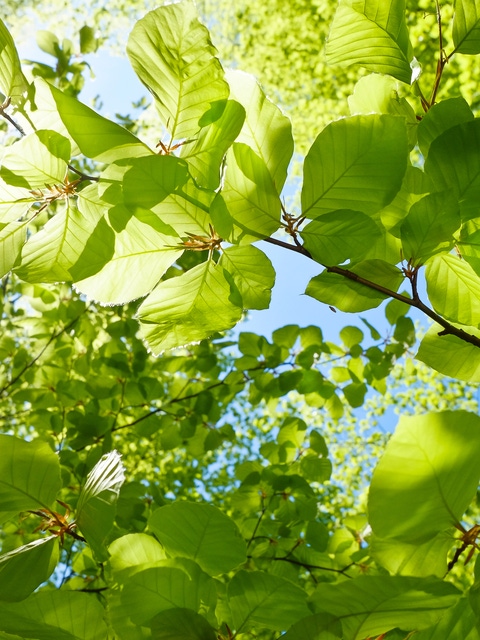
{"points": [[415, 302]]}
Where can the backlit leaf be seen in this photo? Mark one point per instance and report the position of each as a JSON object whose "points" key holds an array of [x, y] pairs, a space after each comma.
{"points": [[12, 81], [252, 272], [466, 27]]}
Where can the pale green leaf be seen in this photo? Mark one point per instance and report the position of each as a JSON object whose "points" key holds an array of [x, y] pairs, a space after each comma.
{"points": [[12, 81], [454, 289], [339, 236], [453, 164], [140, 258], [429, 227], [187, 308], [349, 295], [181, 624], [450, 355], [93, 135], [162, 184], [249, 207], [377, 93], [205, 153], [466, 27], [97, 502], [252, 273], [200, 532], [258, 598], [371, 605], [266, 130], [55, 614], [12, 238], [134, 552], [14, 202], [37, 161], [442, 116], [414, 185], [469, 246], [373, 34], [427, 476], [355, 163], [153, 590], [412, 559], [26, 568], [29, 474], [171, 52]]}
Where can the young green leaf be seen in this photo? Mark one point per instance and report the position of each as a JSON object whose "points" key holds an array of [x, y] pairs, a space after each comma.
{"points": [[12, 238], [427, 476], [252, 272], [97, 500], [441, 117], [466, 27], [171, 52], [13, 83], [372, 34], [355, 163]]}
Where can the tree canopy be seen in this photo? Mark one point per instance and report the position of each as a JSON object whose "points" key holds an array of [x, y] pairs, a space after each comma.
{"points": [[162, 479]]}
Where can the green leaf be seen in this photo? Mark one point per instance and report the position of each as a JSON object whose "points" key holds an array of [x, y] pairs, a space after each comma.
{"points": [[442, 116], [355, 163], [26, 568], [12, 81], [450, 355], [372, 34], [349, 295], [162, 184], [429, 227], [36, 161], [427, 476], [320, 626], [141, 256], [380, 94], [181, 624], [258, 598], [371, 605], [12, 238], [249, 207], [458, 623], [453, 164], [149, 592], [339, 236], [205, 153], [88, 42], [412, 559], [454, 289], [200, 532], [252, 272], [466, 27], [134, 552], [171, 52], [29, 475], [469, 245], [267, 130], [187, 308], [95, 136], [63, 615], [97, 500]]}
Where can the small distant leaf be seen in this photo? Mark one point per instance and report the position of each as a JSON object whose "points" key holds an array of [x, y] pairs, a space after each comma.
{"points": [[200, 532], [29, 474], [356, 163], [267, 130], [258, 598], [466, 27], [450, 355], [171, 52], [88, 42], [12, 81], [26, 568], [427, 476], [372, 34], [252, 272], [96, 504], [371, 605], [187, 308], [454, 289], [348, 295]]}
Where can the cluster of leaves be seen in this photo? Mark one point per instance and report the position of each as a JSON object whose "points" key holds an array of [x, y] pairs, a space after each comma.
{"points": [[175, 225]]}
